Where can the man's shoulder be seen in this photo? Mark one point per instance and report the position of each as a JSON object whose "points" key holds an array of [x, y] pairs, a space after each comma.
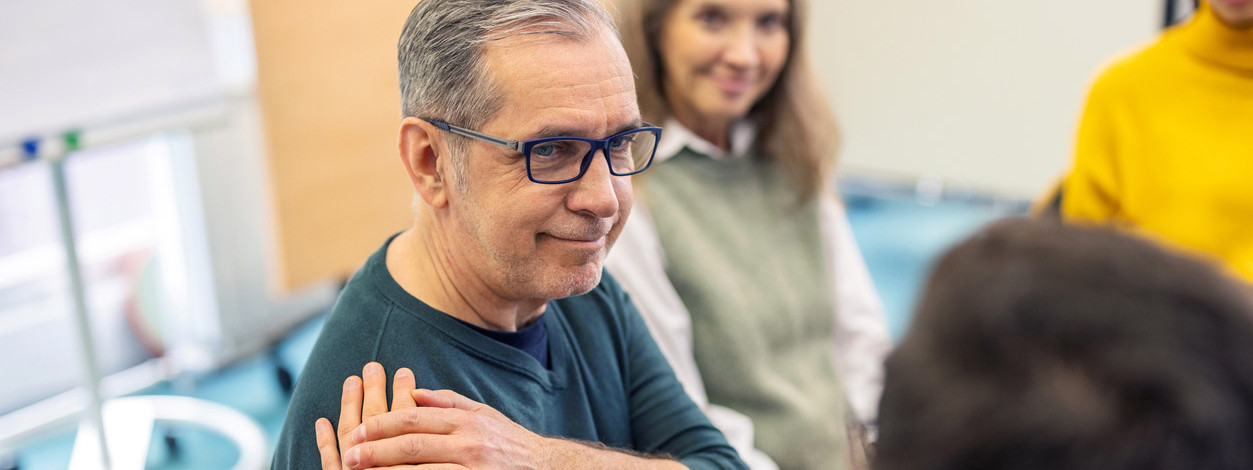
{"points": [[347, 342]]}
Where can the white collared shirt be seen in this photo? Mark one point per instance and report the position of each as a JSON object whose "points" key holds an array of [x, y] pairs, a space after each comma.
{"points": [[675, 137]]}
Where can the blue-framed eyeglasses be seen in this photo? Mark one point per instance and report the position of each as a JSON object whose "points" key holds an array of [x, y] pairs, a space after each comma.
{"points": [[556, 160]]}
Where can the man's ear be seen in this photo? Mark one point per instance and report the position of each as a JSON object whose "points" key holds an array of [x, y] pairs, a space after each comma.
{"points": [[422, 149]]}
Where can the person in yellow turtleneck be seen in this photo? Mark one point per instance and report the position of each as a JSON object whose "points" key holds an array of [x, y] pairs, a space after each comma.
{"points": [[1165, 145]]}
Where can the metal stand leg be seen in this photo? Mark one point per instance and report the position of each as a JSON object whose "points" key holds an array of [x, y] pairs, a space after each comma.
{"points": [[86, 345]]}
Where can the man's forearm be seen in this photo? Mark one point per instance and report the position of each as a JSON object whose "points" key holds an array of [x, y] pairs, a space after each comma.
{"points": [[572, 454]]}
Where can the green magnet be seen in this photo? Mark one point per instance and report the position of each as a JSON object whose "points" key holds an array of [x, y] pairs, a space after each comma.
{"points": [[72, 140]]}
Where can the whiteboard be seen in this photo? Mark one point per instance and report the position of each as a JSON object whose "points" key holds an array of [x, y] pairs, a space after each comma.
{"points": [[70, 64]]}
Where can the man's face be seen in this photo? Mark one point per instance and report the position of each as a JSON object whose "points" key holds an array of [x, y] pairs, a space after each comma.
{"points": [[527, 240]]}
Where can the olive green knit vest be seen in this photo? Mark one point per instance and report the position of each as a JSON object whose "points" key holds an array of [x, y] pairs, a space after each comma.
{"points": [[749, 264]]}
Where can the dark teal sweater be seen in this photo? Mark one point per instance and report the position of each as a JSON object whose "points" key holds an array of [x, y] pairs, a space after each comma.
{"points": [[608, 382]]}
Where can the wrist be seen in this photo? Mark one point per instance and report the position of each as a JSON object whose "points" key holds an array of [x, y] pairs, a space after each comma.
{"points": [[564, 454], [551, 453]]}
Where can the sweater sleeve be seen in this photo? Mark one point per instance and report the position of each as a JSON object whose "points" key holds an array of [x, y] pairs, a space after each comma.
{"points": [[664, 420], [1091, 191]]}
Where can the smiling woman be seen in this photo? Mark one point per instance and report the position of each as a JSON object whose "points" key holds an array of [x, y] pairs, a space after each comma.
{"points": [[740, 258]]}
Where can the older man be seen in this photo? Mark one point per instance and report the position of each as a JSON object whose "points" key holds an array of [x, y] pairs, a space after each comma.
{"points": [[520, 134]]}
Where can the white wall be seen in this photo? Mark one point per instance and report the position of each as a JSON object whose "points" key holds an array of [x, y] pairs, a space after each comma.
{"points": [[80, 63], [979, 92]]}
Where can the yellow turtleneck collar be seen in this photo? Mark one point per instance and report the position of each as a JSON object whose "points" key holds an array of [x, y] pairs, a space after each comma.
{"points": [[1208, 38]]}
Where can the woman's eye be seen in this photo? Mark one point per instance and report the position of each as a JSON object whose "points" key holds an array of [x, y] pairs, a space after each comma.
{"points": [[770, 22], [711, 19]]}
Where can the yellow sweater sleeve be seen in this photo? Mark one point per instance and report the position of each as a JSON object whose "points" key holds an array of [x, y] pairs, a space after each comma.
{"points": [[1091, 191]]}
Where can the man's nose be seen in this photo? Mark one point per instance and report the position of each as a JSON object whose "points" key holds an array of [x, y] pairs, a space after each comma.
{"points": [[595, 194]]}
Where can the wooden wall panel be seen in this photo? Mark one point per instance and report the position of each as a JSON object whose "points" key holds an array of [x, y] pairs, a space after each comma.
{"points": [[331, 109]]}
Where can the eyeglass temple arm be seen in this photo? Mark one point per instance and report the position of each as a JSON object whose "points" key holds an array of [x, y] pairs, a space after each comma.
{"points": [[509, 144]]}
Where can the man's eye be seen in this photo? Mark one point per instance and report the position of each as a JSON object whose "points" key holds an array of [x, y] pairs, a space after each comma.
{"points": [[560, 149], [545, 150], [621, 141]]}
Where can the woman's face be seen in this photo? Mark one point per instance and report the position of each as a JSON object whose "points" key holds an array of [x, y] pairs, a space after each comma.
{"points": [[721, 56], [1237, 13]]}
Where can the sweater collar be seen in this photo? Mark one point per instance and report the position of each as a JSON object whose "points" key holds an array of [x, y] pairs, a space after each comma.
{"points": [[1208, 38], [676, 137]]}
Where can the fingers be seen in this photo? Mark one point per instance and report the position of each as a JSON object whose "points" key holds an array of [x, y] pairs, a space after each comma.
{"points": [[451, 399], [375, 382], [417, 420], [448, 399], [349, 412], [326, 444], [405, 449], [402, 385]]}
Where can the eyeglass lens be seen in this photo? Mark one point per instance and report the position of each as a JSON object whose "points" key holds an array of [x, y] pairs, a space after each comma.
{"points": [[561, 160]]}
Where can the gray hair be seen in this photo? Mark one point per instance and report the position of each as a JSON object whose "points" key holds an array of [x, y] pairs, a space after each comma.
{"points": [[440, 53], [441, 50]]}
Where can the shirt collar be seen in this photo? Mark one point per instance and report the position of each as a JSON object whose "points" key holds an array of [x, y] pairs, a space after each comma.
{"points": [[675, 137]]}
